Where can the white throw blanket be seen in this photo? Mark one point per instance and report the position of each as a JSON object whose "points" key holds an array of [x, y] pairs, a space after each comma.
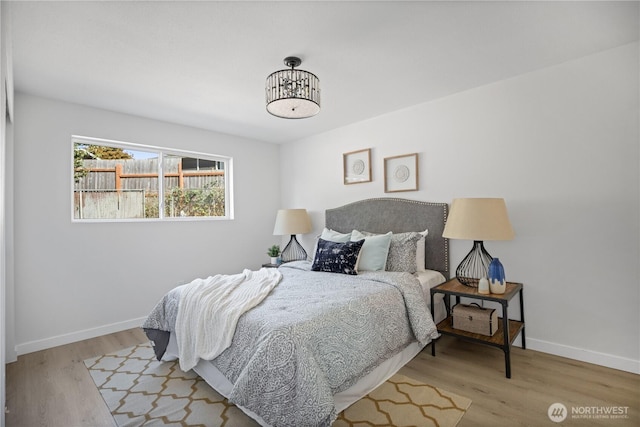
{"points": [[209, 310]]}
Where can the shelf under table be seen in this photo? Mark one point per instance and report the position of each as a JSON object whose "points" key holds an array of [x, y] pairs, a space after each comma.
{"points": [[496, 339]]}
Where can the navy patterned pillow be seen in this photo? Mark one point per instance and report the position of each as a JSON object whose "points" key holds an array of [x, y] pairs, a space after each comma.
{"points": [[336, 257]]}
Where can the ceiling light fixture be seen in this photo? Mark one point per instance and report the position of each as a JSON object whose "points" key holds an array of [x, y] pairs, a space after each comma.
{"points": [[293, 94]]}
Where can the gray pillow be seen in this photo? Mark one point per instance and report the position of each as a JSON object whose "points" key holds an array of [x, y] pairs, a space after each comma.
{"points": [[402, 252]]}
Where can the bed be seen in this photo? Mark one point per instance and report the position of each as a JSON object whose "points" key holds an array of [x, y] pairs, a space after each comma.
{"points": [[319, 341]]}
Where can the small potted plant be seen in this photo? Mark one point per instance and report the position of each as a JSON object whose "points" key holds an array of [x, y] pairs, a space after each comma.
{"points": [[274, 253]]}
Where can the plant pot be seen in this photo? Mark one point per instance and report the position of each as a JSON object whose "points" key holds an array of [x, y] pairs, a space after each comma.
{"points": [[275, 260]]}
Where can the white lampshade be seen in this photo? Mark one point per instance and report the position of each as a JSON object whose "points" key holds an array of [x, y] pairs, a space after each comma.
{"points": [[292, 221], [478, 219]]}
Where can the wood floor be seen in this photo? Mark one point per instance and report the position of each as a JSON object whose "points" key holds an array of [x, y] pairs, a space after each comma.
{"points": [[53, 388]]}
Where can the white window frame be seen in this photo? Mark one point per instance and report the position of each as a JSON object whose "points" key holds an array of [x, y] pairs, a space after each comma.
{"points": [[161, 151]]}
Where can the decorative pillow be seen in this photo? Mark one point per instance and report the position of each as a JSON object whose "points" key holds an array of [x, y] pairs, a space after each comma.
{"points": [[334, 236], [405, 252], [374, 251], [420, 255], [402, 252], [336, 257]]}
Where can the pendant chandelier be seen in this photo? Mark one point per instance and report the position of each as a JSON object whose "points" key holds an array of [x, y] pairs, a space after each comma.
{"points": [[291, 93]]}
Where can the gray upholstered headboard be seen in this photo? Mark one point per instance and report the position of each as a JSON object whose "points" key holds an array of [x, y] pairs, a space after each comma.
{"points": [[399, 216]]}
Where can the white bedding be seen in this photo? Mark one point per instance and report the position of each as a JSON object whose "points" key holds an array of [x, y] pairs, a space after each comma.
{"points": [[328, 331], [212, 376], [428, 279], [344, 399], [209, 310]]}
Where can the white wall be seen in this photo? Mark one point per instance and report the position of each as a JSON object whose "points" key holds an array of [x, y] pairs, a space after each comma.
{"points": [[561, 145], [78, 280]]}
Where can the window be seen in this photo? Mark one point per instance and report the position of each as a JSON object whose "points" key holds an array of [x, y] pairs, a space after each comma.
{"points": [[115, 180]]}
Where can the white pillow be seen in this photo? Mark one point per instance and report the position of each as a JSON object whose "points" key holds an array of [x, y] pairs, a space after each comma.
{"points": [[331, 236], [420, 251], [373, 256], [334, 236]]}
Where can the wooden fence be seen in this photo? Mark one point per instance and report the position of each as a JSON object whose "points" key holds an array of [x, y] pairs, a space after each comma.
{"points": [[128, 188], [141, 174], [109, 204]]}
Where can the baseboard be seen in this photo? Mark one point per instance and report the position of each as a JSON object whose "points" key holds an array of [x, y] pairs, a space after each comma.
{"points": [[31, 346], [602, 359]]}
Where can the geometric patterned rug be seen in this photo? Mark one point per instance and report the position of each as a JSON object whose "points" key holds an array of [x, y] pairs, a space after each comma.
{"points": [[140, 391], [402, 401]]}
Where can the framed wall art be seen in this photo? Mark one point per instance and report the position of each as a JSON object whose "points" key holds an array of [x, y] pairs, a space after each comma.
{"points": [[357, 166], [401, 173]]}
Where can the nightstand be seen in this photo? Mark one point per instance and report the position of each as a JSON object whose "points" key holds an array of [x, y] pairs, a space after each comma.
{"points": [[268, 265], [508, 329]]}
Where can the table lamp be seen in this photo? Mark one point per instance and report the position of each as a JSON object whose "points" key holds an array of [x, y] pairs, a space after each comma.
{"points": [[477, 219], [292, 221]]}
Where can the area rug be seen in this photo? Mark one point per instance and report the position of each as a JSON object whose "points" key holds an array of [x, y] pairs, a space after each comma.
{"points": [[140, 391]]}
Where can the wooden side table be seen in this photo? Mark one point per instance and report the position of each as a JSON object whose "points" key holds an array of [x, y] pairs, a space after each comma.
{"points": [[508, 329], [269, 265]]}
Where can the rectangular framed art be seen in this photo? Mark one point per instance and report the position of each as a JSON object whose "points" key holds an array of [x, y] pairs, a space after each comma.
{"points": [[401, 173], [357, 166]]}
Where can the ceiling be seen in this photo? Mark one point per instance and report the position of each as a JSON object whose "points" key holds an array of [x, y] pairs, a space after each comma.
{"points": [[204, 63]]}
